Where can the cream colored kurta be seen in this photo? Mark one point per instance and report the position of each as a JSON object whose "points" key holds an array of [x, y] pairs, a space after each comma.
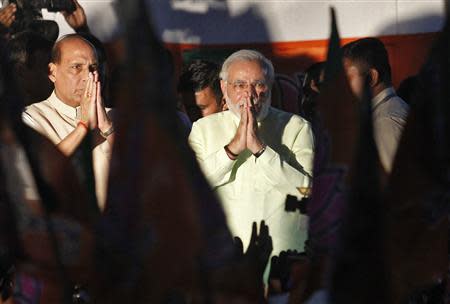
{"points": [[55, 120], [255, 189]]}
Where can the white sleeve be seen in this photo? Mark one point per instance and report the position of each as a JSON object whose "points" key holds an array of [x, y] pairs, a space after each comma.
{"points": [[289, 175], [216, 165]]}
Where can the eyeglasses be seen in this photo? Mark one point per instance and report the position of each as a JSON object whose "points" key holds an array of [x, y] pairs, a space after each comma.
{"points": [[240, 85]]}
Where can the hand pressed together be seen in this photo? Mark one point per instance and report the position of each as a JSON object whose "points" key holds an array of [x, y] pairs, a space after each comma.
{"points": [[246, 136], [93, 111]]}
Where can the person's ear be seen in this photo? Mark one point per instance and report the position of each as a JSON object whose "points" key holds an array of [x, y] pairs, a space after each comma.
{"points": [[223, 87], [52, 71], [224, 105], [373, 77], [314, 86]]}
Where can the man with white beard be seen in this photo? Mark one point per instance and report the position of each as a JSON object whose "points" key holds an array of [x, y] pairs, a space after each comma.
{"points": [[254, 155]]}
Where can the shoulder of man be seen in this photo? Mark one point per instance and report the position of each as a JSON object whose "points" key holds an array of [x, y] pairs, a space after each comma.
{"points": [[216, 119], [395, 108], [35, 112], [38, 107], [288, 118]]}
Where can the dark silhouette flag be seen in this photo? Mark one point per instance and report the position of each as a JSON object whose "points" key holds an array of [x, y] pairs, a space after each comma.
{"points": [[164, 234], [418, 190]]}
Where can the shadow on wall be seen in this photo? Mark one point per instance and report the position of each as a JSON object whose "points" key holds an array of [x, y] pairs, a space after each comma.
{"points": [[185, 24], [407, 53], [189, 21]]}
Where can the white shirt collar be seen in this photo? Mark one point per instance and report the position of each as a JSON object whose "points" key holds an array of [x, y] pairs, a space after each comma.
{"points": [[64, 108], [382, 95]]}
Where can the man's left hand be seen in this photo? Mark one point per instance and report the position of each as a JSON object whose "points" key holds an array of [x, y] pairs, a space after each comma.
{"points": [[254, 144], [87, 104], [77, 19], [104, 123]]}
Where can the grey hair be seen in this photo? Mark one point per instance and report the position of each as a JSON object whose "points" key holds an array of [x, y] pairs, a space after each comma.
{"points": [[249, 55]]}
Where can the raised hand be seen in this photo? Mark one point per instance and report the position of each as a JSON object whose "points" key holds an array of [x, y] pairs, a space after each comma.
{"points": [[238, 246], [88, 103], [76, 19], [280, 277], [260, 246], [7, 14]]}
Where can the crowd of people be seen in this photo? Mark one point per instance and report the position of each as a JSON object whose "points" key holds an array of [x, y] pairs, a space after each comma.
{"points": [[252, 155]]}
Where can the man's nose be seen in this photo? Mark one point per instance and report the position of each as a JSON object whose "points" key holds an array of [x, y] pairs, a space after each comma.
{"points": [[85, 74], [251, 91]]}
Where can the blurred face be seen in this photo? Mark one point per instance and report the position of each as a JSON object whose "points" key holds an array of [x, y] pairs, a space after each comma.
{"points": [[245, 81], [355, 78], [34, 80], [206, 102], [71, 73], [201, 104]]}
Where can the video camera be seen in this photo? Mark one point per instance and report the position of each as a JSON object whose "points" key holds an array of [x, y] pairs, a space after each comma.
{"points": [[29, 15], [292, 204], [50, 5]]}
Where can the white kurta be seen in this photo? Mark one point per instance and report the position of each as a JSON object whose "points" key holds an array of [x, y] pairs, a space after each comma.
{"points": [[255, 189], [55, 120]]}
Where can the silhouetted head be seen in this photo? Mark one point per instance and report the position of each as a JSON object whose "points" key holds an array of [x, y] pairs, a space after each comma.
{"points": [[199, 87], [28, 54], [314, 76], [367, 60]]}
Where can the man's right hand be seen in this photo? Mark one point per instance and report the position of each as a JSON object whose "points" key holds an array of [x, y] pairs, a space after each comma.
{"points": [[88, 103], [239, 142], [7, 14], [77, 19]]}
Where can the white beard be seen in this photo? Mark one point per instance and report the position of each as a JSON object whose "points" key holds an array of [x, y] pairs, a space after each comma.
{"points": [[235, 108]]}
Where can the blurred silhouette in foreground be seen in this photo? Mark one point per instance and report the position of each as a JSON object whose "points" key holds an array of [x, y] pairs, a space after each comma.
{"points": [[312, 83]]}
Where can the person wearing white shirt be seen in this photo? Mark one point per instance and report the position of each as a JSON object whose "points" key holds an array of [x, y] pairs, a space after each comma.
{"points": [[254, 155], [75, 107]]}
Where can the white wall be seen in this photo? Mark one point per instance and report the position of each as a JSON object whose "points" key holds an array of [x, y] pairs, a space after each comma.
{"points": [[291, 20], [101, 16], [240, 21]]}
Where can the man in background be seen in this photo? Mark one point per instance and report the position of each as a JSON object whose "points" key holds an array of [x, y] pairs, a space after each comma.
{"points": [[199, 88], [366, 61]]}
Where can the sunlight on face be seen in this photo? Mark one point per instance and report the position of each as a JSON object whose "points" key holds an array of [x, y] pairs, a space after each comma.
{"points": [[246, 80], [71, 73], [200, 104], [206, 102], [355, 78]]}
